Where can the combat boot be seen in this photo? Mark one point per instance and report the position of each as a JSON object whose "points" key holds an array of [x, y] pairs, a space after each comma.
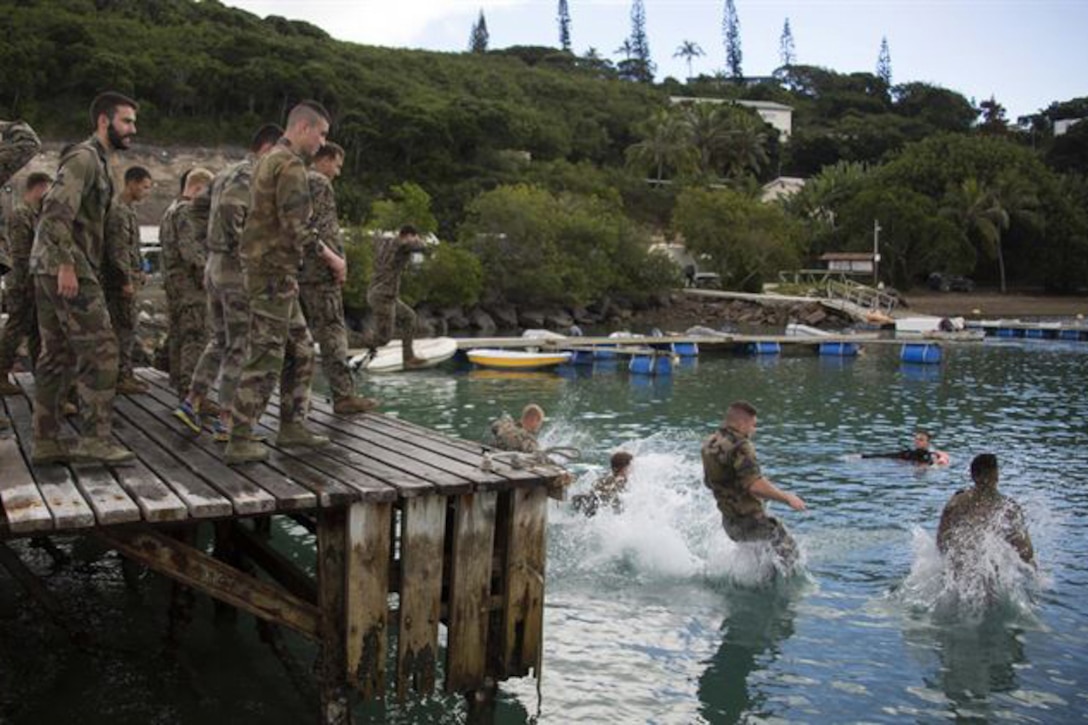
{"points": [[241, 450], [99, 450], [351, 404], [296, 434], [131, 386], [9, 388], [48, 450]]}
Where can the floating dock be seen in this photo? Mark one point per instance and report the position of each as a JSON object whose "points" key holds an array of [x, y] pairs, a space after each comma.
{"points": [[397, 509]]}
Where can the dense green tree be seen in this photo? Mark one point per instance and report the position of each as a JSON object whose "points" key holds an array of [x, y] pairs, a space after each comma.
{"points": [[787, 53], [666, 145], [479, 37], [407, 203], [884, 63], [731, 38], [993, 118], [564, 25], [1068, 153]]}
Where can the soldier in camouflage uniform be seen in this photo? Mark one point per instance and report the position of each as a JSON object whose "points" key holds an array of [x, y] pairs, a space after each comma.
{"points": [[974, 514], [72, 317], [607, 489], [123, 273], [731, 471], [519, 436], [320, 284], [390, 313], [18, 144], [275, 238], [183, 279], [227, 202], [22, 313]]}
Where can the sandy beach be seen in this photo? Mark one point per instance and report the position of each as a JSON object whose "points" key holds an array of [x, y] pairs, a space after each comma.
{"points": [[990, 305]]}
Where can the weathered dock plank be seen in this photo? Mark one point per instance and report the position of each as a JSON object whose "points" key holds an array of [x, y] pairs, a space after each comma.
{"points": [[24, 509], [523, 598], [369, 555], [470, 590], [422, 536]]}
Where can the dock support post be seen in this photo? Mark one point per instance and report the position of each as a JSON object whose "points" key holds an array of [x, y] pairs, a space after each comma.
{"points": [[470, 592], [523, 532], [369, 555], [332, 589], [423, 532]]}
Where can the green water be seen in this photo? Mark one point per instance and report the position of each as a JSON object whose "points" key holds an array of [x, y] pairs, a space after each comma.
{"points": [[652, 615]]}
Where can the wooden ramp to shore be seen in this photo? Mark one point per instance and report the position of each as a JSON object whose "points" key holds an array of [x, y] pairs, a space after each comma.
{"points": [[397, 509]]}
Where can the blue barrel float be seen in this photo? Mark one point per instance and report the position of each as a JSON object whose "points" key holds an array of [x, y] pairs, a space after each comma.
{"points": [[605, 352], [1034, 333], [764, 348], [926, 353], [685, 349], [650, 365], [1069, 334], [1009, 332], [839, 349], [582, 357]]}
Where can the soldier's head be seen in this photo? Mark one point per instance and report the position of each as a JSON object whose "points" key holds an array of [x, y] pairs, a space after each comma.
{"points": [[329, 159], [621, 461], [36, 186], [984, 471], [922, 439], [113, 116], [196, 180], [307, 127], [408, 232], [265, 138], [137, 183], [532, 417], [741, 417]]}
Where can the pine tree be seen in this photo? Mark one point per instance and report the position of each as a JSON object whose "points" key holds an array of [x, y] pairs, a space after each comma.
{"points": [[564, 25], [731, 32], [477, 41], [639, 66], [884, 63], [785, 45]]}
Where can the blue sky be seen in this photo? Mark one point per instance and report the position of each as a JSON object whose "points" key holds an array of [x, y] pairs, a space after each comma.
{"points": [[1026, 53]]}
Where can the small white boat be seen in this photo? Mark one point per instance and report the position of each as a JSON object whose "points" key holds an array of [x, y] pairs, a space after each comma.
{"points": [[516, 359], [390, 358]]}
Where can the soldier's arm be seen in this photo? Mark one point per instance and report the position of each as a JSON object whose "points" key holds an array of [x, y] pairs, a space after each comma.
{"points": [[1017, 534], [199, 211], [232, 210], [18, 144], [751, 477], [293, 205], [189, 247], [117, 254], [60, 206], [21, 238]]}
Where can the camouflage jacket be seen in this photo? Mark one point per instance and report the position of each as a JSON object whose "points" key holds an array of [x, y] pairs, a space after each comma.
{"points": [[123, 263], [276, 234], [73, 219], [390, 258], [18, 144], [229, 197], [729, 470], [182, 256], [971, 515], [20, 226], [506, 434], [325, 227]]}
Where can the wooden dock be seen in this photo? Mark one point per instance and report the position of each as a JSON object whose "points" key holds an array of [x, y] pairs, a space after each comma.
{"points": [[397, 509]]}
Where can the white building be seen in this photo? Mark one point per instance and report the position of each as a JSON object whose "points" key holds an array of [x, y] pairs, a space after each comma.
{"points": [[780, 188], [1063, 126], [777, 114]]}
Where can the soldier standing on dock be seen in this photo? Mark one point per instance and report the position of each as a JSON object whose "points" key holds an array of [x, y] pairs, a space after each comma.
{"points": [[732, 473], [123, 273], [320, 280], [72, 317], [275, 238], [22, 312], [18, 144], [228, 303]]}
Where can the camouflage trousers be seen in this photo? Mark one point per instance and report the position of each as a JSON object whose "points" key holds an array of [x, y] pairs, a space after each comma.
{"points": [[279, 349], [762, 528], [392, 315], [22, 322], [123, 315], [187, 337], [323, 306], [228, 322], [76, 333]]}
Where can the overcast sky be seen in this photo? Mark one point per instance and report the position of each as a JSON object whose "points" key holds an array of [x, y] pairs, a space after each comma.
{"points": [[1026, 53]]}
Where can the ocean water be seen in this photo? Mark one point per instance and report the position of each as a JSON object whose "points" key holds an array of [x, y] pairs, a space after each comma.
{"points": [[653, 615]]}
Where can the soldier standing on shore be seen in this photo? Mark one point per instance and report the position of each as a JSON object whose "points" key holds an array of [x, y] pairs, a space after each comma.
{"points": [[72, 317], [275, 238], [22, 312], [228, 304], [183, 278], [123, 273], [320, 280]]}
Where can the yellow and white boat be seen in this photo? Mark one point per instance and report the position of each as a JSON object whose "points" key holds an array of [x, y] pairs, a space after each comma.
{"points": [[516, 359]]}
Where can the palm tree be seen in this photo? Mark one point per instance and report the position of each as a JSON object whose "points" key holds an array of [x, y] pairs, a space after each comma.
{"points": [[627, 49], [979, 213], [688, 50], [665, 143], [707, 133], [746, 143]]}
